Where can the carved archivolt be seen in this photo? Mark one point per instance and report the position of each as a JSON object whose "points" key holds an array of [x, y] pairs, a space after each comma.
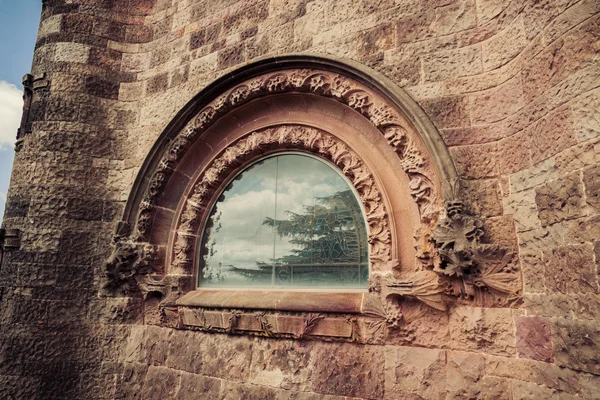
{"points": [[323, 83], [454, 265], [288, 137]]}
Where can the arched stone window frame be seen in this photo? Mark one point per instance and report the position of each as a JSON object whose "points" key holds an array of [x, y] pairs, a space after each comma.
{"points": [[423, 245]]}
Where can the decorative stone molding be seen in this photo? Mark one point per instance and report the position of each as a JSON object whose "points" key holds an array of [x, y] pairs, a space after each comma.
{"points": [[481, 272], [288, 137], [317, 82], [453, 265], [127, 267]]}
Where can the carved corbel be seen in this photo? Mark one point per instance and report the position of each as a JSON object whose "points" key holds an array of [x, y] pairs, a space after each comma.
{"points": [[473, 270], [126, 269]]}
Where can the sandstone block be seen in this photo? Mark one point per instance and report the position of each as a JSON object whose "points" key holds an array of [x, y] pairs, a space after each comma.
{"points": [[197, 386], [571, 269], [586, 116], [476, 161], [540, 373], [591, 386], [464, 372], [473, 135], [490, 9], [532, 265], [523, 208], [591, 181], [576, 345], [504, 46], [483, 197], [455, 17], [414, 372], [534, 338], [450, 64], [496, 104], [50, 25], [448, 112], [560, 199], [531, 391], [580, 156], [379, 38], [71, 52], [514, 153], [360, 373], [415, 27], [551, 135], [534, 176], [483, 330]]}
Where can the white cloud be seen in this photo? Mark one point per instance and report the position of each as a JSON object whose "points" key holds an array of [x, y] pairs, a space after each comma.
{"points": [[2, 197], [11, 107]]}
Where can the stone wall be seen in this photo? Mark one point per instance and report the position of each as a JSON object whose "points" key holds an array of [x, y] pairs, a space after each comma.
{"points": [[512, 86]]}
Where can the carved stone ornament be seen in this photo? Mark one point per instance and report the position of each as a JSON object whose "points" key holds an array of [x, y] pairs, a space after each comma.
{"points": [[289, 137], [484, 273], [454, 265], [128, 263], [323, 83]]}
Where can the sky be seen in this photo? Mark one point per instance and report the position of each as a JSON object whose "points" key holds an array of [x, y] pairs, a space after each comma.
{"points": [[19, 21]]}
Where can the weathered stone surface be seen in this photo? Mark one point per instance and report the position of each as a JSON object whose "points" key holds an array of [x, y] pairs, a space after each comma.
{"points": [[586, 116], [534, 338], [522, 205], [514, 153], [504, 46], [464, 373], [532, 265], [560, 199], [591, 181], [531, 391], [485, 330], [576, 346], [449, 112], [483, 197], [477, 161], [360, 374], [451, 64], [551, 135], [412, 372], [540, 373], [571, 269], [498, 103]]}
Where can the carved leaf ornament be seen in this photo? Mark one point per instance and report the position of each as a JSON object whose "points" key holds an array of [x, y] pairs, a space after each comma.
{"points": [[454, 263]]}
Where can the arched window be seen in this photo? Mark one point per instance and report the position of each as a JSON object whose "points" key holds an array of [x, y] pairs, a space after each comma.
{"points": [[319, 184], [289, 220]]}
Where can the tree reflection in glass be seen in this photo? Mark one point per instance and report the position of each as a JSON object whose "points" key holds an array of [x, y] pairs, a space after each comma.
{"points": [[287, 221]]}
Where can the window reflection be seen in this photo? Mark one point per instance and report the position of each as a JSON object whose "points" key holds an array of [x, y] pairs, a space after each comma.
{"points": [[287, 221]]}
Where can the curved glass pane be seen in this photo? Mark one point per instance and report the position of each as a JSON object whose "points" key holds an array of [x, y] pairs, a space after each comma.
{"points": [[287, 221]]}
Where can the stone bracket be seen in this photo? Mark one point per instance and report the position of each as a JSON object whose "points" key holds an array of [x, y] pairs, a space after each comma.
{"points": [[10, 239], [31, 85]]}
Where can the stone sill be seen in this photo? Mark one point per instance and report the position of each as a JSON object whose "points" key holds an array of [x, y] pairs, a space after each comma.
{"points": [[327, 302]]}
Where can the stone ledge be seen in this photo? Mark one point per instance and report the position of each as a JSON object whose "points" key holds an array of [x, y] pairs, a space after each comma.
{"points": [[331, 302]]}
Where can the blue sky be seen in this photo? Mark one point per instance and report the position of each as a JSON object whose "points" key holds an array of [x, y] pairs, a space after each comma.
{"points": [[19, 21]]}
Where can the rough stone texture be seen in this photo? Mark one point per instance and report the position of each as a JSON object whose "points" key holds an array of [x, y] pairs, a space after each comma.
{"points": [[561, 199], [513, 88], [534, 338]]}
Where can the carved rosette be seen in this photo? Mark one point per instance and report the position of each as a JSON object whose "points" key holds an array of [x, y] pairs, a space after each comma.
{"points": [[323, 83], [288, 137]]}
